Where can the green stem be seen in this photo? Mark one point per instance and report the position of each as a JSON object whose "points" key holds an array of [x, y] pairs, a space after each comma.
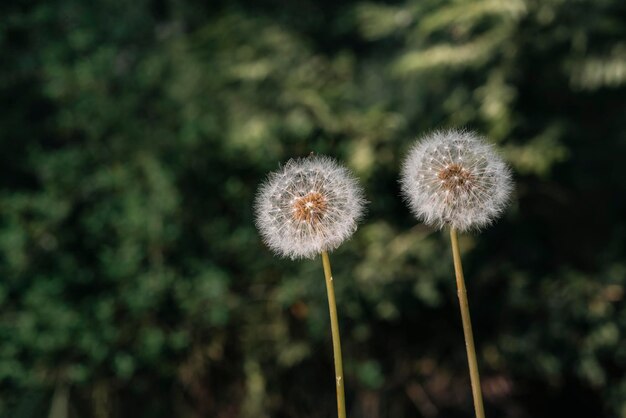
{"points": [[467, 327], [334, 326]]}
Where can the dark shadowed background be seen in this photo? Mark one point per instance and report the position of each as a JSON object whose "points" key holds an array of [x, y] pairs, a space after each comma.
{"points": [[133, 136]]}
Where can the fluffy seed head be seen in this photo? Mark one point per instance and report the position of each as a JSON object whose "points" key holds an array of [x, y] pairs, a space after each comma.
{"points": [[310, 205], [455, 178]]}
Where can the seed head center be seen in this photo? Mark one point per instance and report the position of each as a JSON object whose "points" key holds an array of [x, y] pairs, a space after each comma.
{"points": [[310, 207], [455, 177]]}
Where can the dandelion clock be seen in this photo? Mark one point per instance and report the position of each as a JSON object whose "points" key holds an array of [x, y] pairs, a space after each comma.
{"points": [[309, 207], [454, 179]]}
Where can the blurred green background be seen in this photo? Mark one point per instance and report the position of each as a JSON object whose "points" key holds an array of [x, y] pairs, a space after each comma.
{"points": [[133, 137]]}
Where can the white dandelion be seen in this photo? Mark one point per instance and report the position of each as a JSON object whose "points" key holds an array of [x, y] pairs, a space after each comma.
{"points": [[309, 206], [455, 178]]}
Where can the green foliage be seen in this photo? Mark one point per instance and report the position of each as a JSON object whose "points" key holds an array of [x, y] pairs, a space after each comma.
{"points": [[132, 141]]}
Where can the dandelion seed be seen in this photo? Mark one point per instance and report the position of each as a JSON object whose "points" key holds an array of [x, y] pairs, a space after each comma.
{"points": [[310, 205], [462, 183]]}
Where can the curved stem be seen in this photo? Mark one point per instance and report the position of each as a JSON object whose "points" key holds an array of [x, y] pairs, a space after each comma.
{"points": [[334, 326], [467, 327]]}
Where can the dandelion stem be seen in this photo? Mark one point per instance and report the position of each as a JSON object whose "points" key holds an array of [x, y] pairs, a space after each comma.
{"points": [[467, 327], [334, 326]]}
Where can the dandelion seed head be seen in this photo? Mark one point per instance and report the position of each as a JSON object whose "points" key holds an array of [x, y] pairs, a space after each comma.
{"points": [[310, 205], [455, 178]]}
